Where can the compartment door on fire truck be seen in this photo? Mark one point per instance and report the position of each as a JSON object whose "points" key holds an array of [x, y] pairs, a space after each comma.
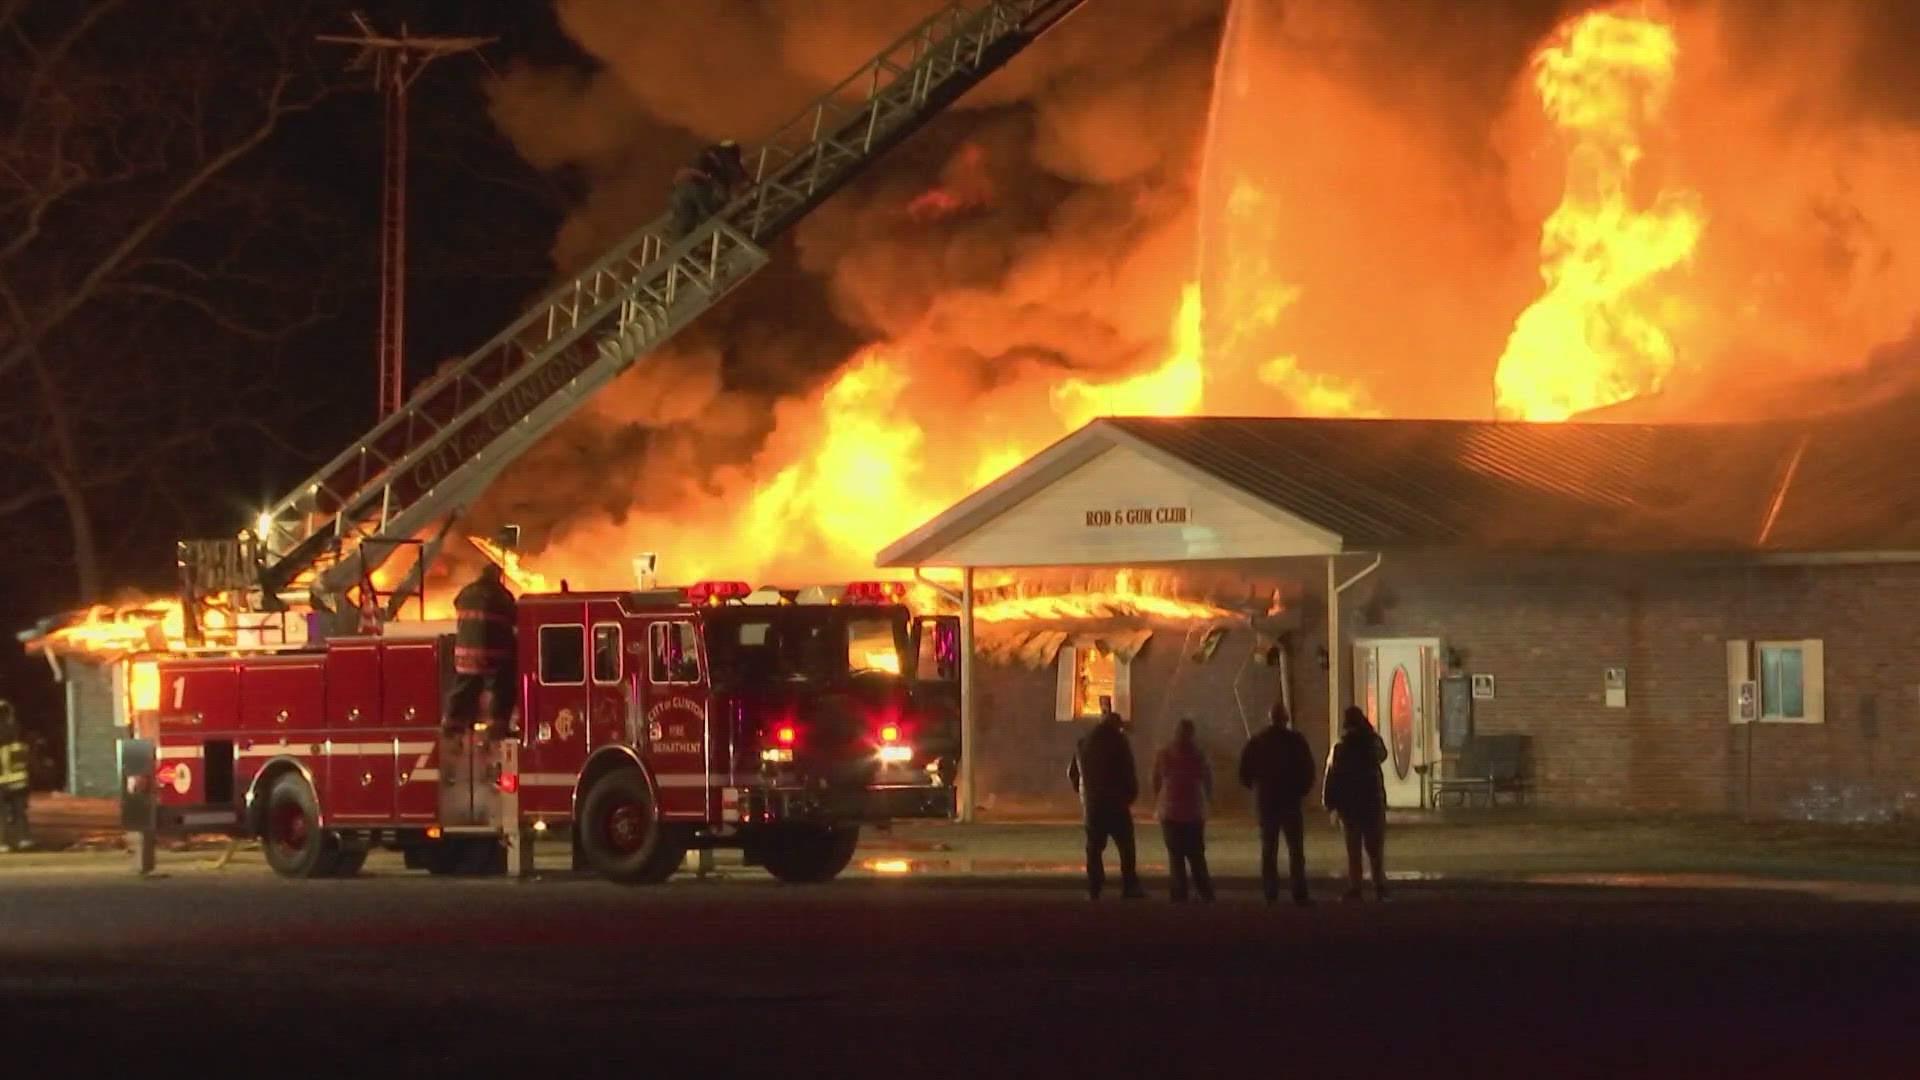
{"points": [[674, 710], [581, 701], [555, 727]]}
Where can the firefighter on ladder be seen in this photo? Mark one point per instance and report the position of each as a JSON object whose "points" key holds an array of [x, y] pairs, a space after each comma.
{"points": [[14, 835], [485, 654], [704, 188]]}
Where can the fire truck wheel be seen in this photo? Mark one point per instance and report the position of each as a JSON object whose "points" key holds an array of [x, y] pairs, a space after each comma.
{"points": [[621, 833], [293, 843], [810, 854]]}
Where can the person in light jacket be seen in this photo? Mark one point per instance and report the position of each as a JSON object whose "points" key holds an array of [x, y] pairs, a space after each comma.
{"points": [[1356, 790], [1182, 788]]}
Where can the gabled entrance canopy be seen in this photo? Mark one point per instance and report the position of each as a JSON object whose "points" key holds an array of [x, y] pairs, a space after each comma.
{"points": [[1104, 497]]}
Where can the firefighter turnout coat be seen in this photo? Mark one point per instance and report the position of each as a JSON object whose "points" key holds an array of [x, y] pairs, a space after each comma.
{"points": [[483, 642]]}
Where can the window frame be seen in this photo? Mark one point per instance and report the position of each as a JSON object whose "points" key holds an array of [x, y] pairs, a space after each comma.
{"points": [[1745, 667], [658, 628], [1812, 685], [593, 653], [540, 653], [1067, 681]]}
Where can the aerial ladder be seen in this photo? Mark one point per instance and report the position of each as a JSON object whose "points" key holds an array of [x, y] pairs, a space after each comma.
{"points": [[428, 461]]}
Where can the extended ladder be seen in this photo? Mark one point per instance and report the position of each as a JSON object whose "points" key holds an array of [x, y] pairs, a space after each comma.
{"points": [[461, 428]]}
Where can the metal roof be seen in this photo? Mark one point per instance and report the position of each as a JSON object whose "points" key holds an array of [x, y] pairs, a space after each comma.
{"points": [[1836, 484], [1395, 484]]}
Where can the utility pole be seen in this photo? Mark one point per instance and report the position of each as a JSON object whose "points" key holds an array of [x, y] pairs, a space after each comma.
{"points": [[395, 60]]}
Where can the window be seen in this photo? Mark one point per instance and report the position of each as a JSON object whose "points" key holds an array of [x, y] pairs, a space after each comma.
{"points": [[1776, 682], [674, 652], [1783, 683], [563, 655], [1088, 673], [871, 646], [606, 653]]}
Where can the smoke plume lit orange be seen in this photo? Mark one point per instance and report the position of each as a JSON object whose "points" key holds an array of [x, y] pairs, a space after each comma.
{"points": [[1323, 207]]}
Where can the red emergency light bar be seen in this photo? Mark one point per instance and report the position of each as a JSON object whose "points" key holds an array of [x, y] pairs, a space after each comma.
{"points": [[714, 592], [876, 592]]}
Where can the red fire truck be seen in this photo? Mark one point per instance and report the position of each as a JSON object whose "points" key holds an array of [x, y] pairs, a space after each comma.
{"points": [[649, 723]]}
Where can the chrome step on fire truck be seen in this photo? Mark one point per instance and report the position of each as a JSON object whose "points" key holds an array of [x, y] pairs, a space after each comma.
{"points": [[649, 723]]}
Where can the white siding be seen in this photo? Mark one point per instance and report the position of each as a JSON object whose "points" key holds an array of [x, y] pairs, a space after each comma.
{"points": [[1051, 528]]}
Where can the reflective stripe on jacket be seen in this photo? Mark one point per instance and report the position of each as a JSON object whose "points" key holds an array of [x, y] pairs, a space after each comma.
{"points": [[484, 635], [13, 767]]}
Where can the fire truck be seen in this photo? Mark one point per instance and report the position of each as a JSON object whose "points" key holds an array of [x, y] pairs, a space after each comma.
{"points": [[651, 721], [648, 723]]}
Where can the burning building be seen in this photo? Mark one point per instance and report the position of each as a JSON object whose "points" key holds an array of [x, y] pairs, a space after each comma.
{"points": [[1678, 618], [1335, 208]]}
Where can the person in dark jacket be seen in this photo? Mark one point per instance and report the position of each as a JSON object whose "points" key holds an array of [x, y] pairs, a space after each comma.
{"points": [[703, 188], [1356, 790], [1103, 773], [1278, 765], [15, 835], [485, 652]]}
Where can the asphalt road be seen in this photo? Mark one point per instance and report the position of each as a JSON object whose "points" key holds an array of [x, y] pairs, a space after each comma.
{"points": [[920, 976]]}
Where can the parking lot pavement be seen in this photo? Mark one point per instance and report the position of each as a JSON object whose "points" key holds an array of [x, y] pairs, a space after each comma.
{"points": [[1004, 976]]}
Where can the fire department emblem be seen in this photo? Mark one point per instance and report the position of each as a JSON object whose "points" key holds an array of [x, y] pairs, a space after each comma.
{"points": [[654, 732], [564, 724], [177, 776]]}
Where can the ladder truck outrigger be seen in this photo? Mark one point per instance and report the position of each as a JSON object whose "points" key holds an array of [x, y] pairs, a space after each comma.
{"points": [[648, 722]]}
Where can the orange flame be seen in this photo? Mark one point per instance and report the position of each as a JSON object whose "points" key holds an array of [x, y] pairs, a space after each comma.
{"points": [[524, 579], [1596, 338]]}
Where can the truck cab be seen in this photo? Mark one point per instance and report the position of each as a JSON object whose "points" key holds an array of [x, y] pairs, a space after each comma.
{"points": [[776, 721]]}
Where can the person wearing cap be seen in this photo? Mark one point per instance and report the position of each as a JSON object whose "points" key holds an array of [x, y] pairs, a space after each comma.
{"points": [[1182, 788], [705, 187], [1103, 773], [1278, 765], [1356, 790]]}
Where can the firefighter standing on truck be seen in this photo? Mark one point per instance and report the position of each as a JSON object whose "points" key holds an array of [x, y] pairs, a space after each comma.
{"points": [[13, 784], [485, 652]]}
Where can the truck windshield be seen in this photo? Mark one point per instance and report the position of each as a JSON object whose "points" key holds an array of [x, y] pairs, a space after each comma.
{"points": [[803, 646]]}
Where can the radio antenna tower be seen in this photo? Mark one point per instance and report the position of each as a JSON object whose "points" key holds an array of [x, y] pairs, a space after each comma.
{"points": [[396, 61]]}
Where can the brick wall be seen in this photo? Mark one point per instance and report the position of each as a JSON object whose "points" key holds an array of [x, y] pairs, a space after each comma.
{"points": [[1024, 752], [1547, 631]]}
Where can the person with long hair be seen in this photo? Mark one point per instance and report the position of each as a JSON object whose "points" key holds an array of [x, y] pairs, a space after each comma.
{"points": [[1356, 790], [1182, 787]]}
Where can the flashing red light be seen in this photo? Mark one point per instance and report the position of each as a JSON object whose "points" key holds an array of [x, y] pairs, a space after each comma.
{"points": [[876, 592], [890, 733], [785, 734], [509, 783], [714, 592]]}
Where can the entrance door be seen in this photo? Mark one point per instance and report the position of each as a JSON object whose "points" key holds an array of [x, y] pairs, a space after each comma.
{"points": [[1395, 678]]}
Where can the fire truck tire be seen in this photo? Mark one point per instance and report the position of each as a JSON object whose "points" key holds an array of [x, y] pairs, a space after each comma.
{"points": [[622, 836], [294, 844], [810, 854]]}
